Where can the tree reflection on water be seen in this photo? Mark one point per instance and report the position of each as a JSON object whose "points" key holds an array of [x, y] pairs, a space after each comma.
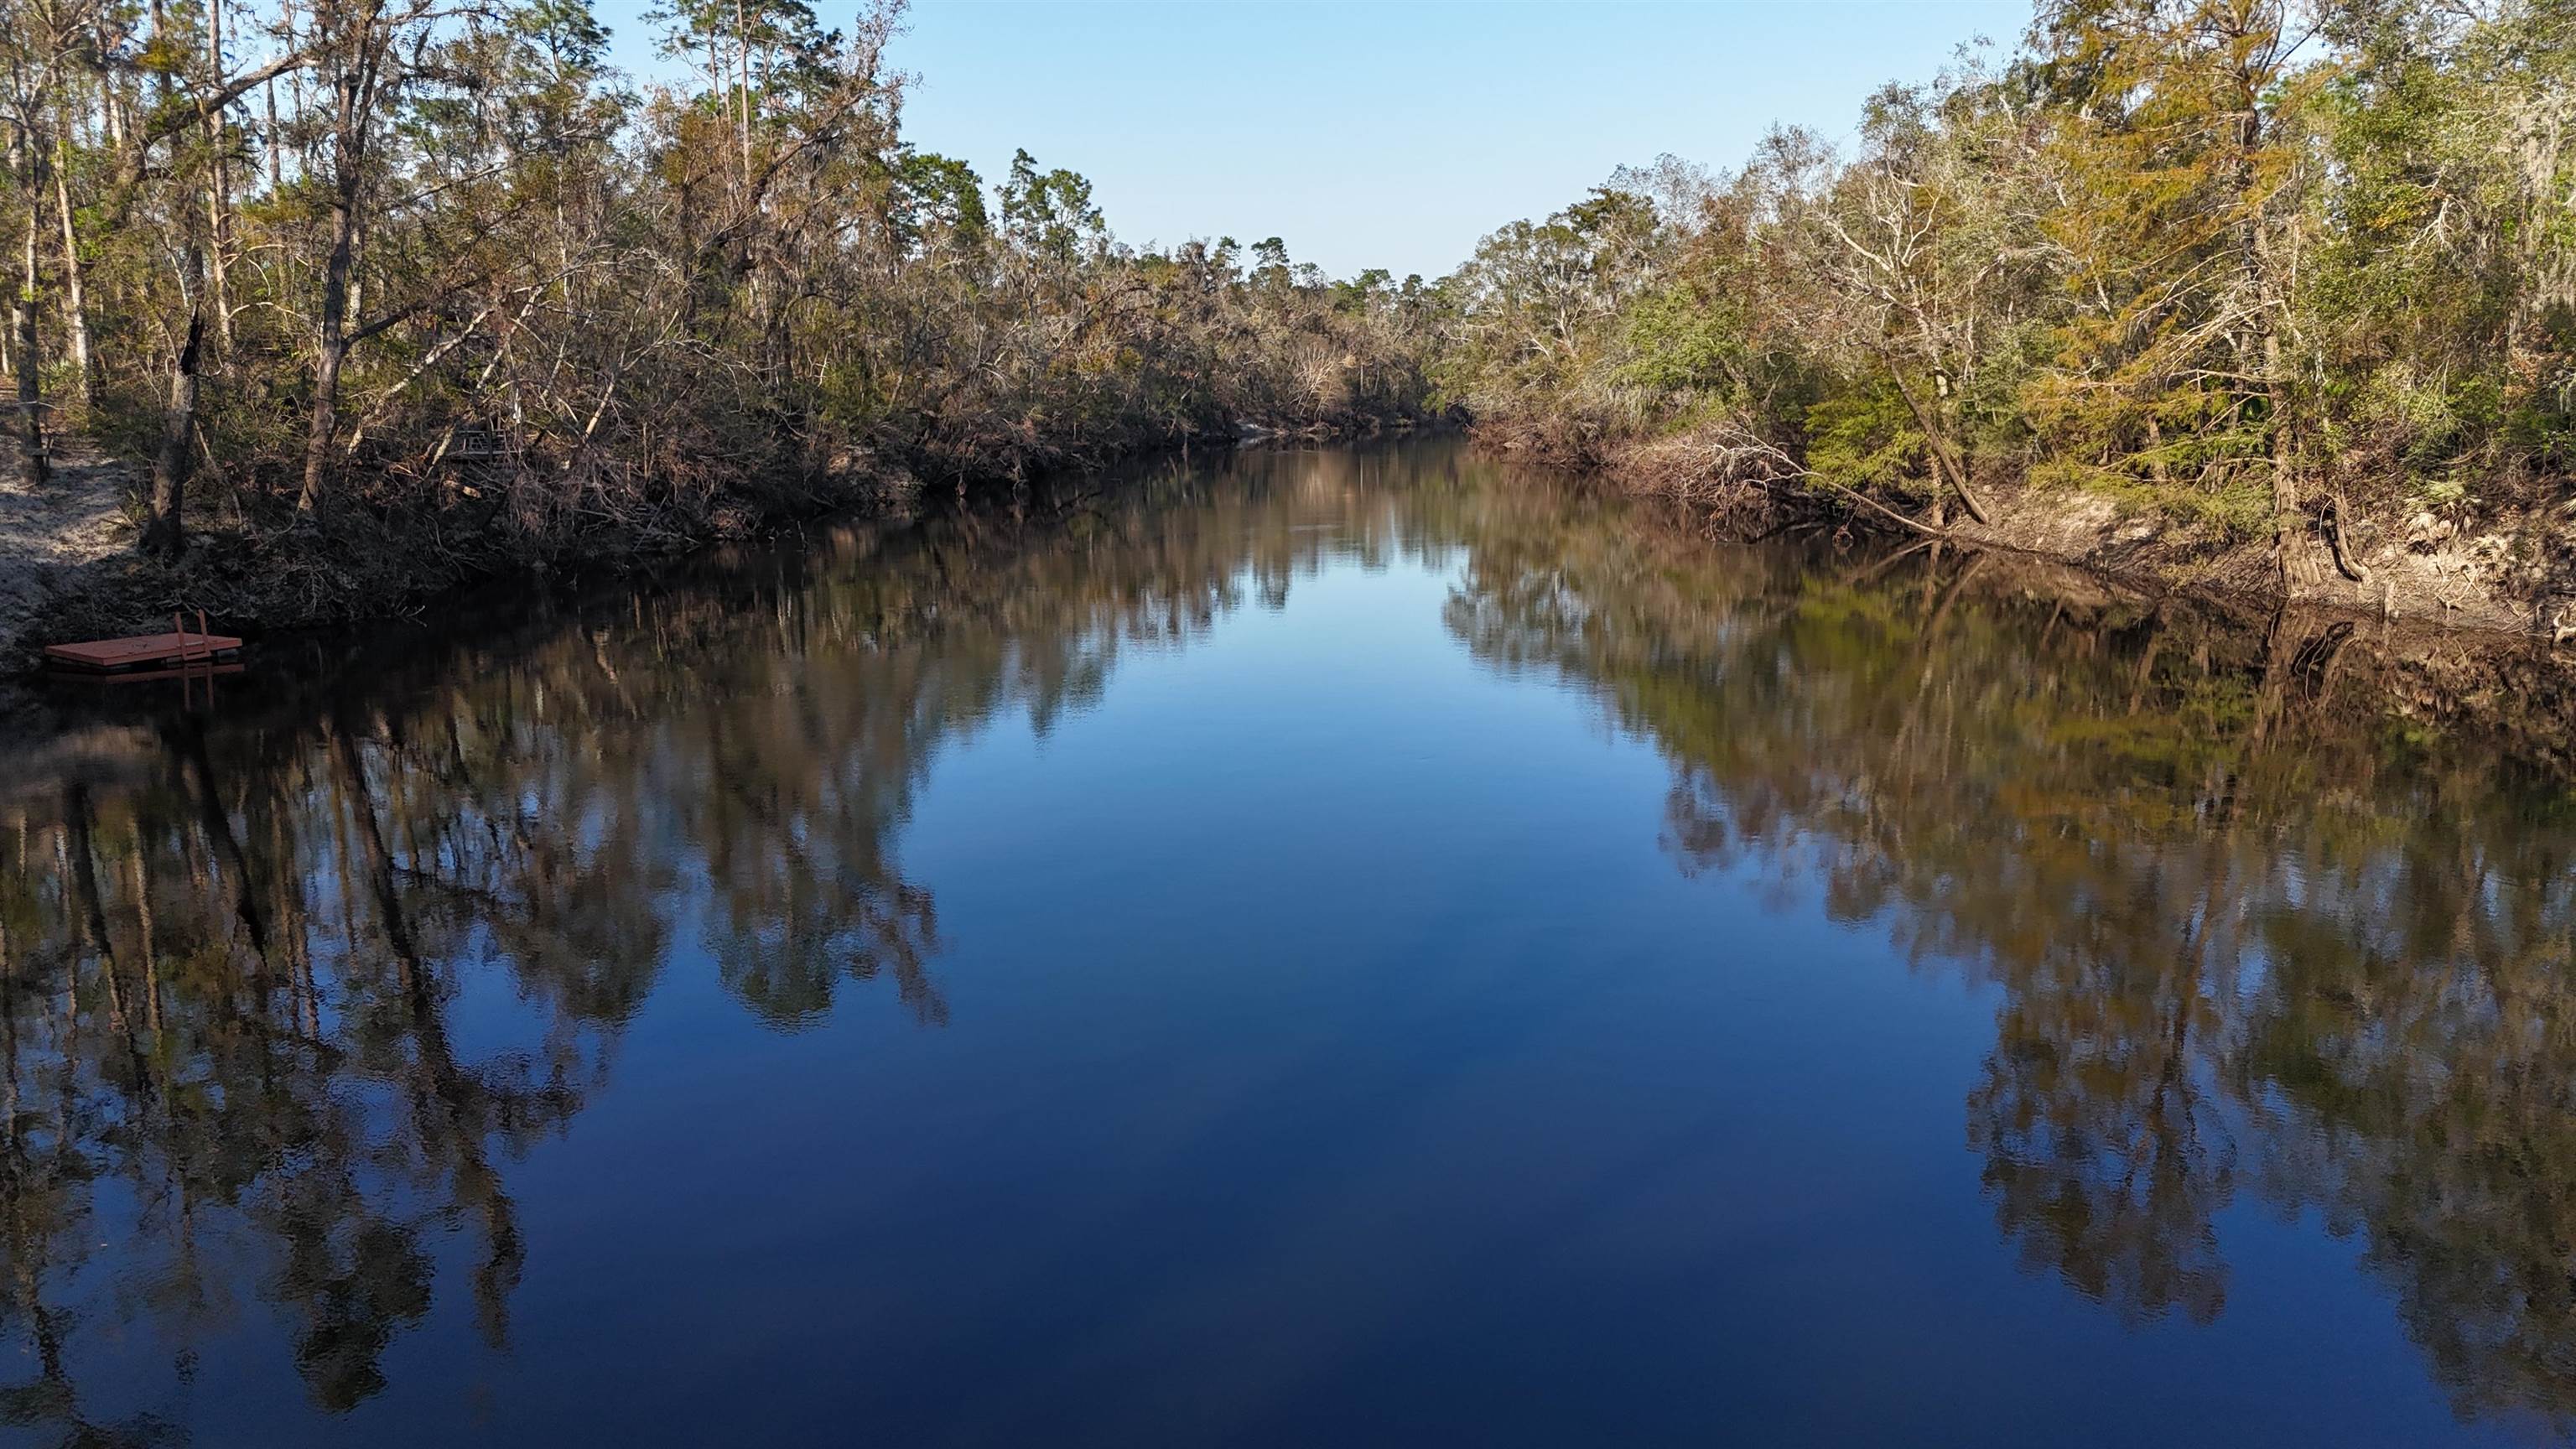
{"points": [[2259, 927], [2255, 930]]}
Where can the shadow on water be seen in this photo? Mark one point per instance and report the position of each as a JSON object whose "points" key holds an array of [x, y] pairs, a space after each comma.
{"points": [[2262, 925]]}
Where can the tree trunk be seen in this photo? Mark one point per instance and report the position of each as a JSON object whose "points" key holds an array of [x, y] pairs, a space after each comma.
{"points": [[742, 77], [2292, 548], [333, 344], [219, 184], [325, 423], [165, 536], [1945, 465], [271, 143], [76, 297], [219, 207], [31, 405], [2294, 551]]}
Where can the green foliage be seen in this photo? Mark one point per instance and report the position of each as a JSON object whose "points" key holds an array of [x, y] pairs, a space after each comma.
{"points": [[2168, 250], [1681, 340], [1865, 438]]}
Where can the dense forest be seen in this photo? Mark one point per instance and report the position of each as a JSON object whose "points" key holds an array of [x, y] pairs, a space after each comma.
{"points": [[2289, 282], [428, 279], [378, 293]]}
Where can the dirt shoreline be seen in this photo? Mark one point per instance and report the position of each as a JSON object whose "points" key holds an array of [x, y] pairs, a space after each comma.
{"points": [[2449, 670], [2511, 575], [82, 577], [2503, 585], [59, 541]]}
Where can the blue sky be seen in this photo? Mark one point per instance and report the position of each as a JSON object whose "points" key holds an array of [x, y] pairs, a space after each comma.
{"points": [[1390, 134]]}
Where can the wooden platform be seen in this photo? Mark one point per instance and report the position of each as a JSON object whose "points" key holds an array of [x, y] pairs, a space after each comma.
{"points": [[184, 673], [143, 651]]}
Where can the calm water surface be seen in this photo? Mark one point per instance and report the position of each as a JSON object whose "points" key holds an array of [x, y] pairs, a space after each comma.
{"points": [[1339, 948]]}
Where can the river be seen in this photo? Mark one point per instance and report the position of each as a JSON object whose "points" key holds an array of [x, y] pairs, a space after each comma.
{"points": [[1339, 946]]}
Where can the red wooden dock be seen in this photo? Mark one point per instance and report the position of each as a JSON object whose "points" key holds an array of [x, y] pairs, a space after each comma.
{"points": [[177, 649]]}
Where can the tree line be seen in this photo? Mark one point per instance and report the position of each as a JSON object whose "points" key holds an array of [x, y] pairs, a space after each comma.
{"points": [[432, 281], [434, 265], [2288, 273]]}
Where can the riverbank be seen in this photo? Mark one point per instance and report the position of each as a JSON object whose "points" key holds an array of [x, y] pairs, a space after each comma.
{"points": [[60, 543], [348, 567], [2511, 570], [69, 568]]}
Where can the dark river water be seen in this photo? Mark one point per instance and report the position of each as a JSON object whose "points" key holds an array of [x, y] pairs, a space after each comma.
{"points": [[1340, 947]]}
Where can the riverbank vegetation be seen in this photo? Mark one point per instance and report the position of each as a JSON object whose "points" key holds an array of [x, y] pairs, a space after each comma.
{"points": [[412, 287], [2291, 286]]}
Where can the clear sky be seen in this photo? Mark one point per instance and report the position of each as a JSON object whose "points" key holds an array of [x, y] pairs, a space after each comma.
{"points": [[1391, 134]]}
